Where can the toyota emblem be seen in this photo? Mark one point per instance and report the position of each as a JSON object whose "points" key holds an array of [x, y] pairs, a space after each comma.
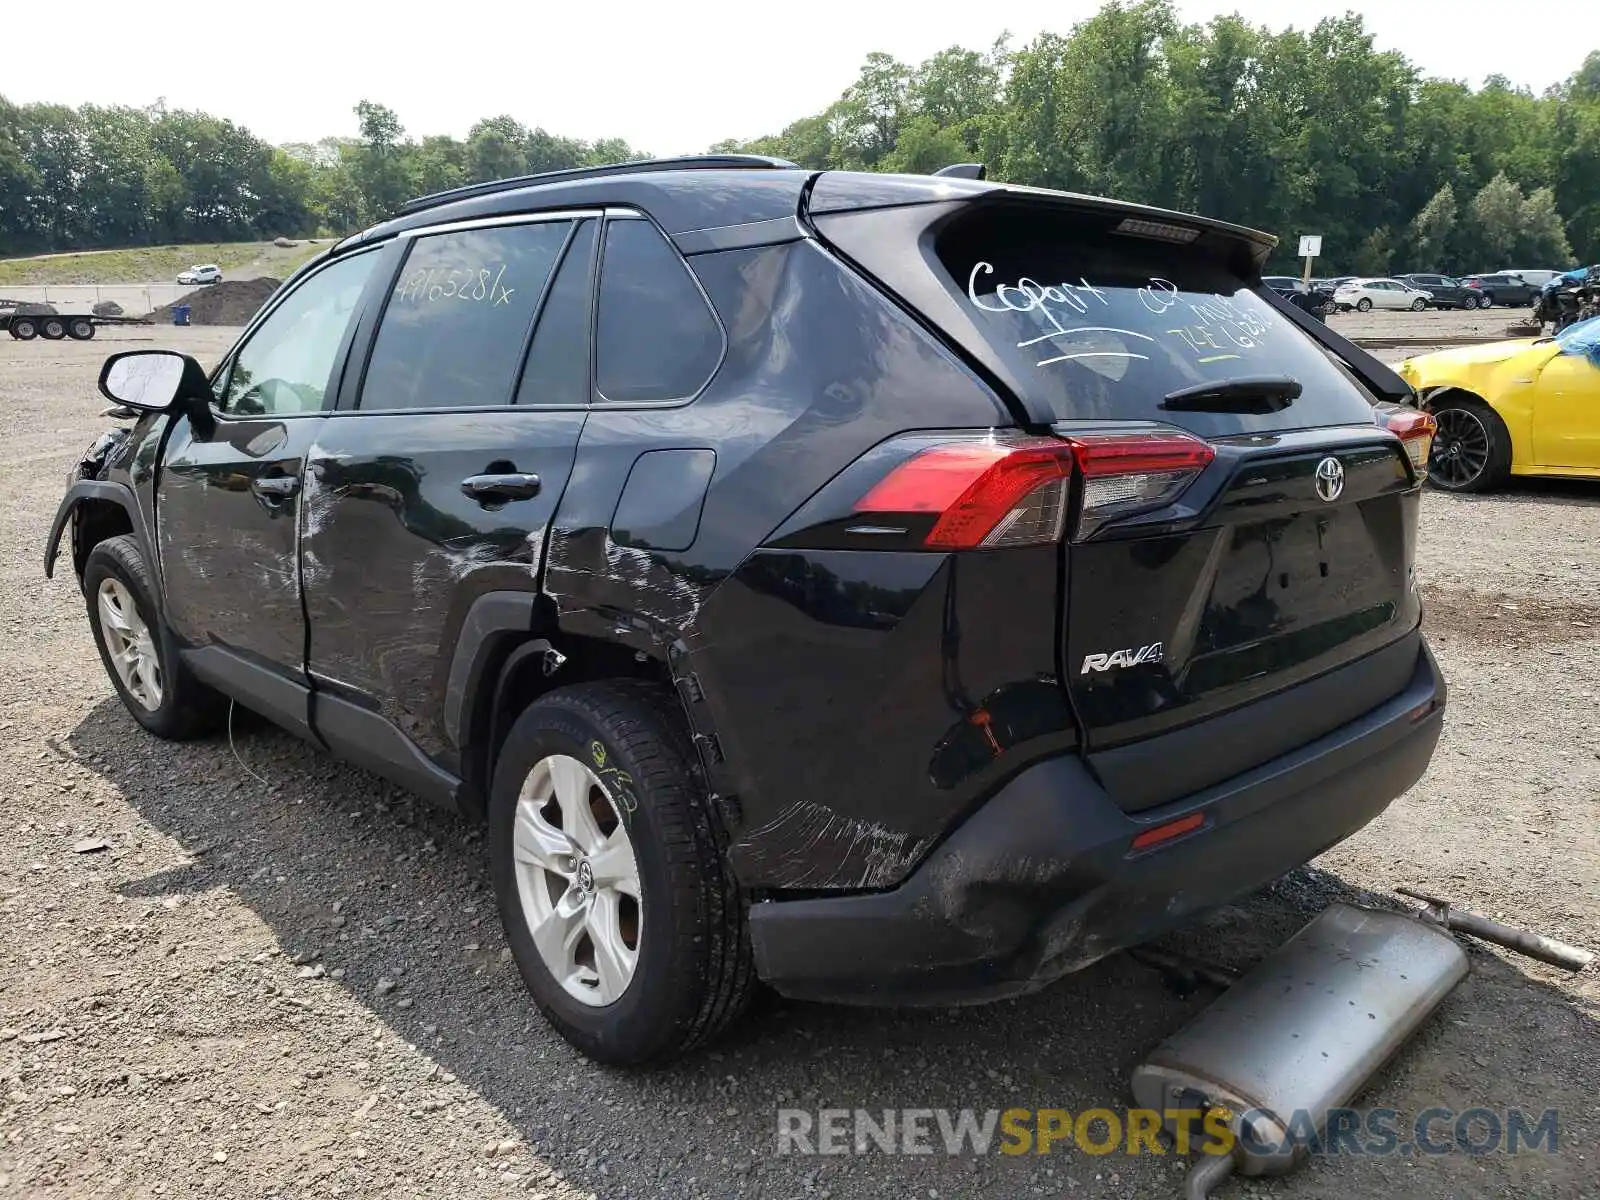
{"points": [[1330, 479]]}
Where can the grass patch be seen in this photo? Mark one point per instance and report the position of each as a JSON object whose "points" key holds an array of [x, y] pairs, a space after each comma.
{"points": [[156, 264]]}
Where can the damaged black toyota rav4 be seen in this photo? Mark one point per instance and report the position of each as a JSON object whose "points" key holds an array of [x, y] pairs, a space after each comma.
{"points": [[894, 589]]}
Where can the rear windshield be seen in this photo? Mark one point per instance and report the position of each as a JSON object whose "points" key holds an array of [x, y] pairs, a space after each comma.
{"points": [[1103, 325]]}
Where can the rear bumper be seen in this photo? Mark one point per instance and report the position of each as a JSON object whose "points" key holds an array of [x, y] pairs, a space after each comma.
{"points": [[1040, 881]]}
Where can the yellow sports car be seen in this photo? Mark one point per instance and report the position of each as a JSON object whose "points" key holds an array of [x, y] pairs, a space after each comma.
{"points": [[1525, 407]]}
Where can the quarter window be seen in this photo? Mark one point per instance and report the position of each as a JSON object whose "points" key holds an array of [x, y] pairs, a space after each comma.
{"points": [[657, 339], [285, 366], [456, 323]]}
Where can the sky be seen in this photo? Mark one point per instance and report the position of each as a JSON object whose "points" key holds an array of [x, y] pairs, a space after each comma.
{"points": [[670, 78]]}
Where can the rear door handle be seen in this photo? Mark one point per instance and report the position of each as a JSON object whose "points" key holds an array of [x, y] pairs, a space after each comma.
{"points": [[497, 489], [275, 489]]}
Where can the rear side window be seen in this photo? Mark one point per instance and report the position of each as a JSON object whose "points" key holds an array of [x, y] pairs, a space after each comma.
{"points": [[656, 337], [1103, 325], [557, 374], [454, 330]]}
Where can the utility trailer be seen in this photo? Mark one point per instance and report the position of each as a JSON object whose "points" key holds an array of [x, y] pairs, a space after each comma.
{"points": [[80, 327]]}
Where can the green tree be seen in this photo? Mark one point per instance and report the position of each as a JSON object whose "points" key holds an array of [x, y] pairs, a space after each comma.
{"points": [[1493, 224], [1432, 228], [496, 149], [1375, 253], [378, 163], [867, 117], [1541, 235]]}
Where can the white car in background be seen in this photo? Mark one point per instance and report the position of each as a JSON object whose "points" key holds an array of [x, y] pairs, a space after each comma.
{"points": [[206, 274], [1366, 294]]}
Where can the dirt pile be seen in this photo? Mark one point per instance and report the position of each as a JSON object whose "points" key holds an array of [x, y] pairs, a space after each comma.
{"points": [[231, 302]]}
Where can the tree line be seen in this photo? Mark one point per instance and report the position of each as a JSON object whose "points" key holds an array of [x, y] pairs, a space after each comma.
{"points": [[92, 177], [1292, 131]]}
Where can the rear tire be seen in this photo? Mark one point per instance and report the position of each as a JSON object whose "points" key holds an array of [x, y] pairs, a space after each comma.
{"points": [[1364, 305], [80, 329], [52, 329], [24, 329], [160, 692], [618, 756], [1472, 448]]}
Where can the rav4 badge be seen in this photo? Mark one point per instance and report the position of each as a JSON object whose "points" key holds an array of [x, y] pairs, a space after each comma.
{"points": [[1122, 658]]}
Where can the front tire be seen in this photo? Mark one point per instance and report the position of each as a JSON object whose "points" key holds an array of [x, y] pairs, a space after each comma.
{"points": [[136, 650], [1418, 304], [1471, 449], [1364, 304], [610, 874], [24, 329]]}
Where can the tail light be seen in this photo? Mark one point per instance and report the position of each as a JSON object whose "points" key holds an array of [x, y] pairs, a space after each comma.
{"points": [[1414, 428], [1130, 472], [1014, 492]]}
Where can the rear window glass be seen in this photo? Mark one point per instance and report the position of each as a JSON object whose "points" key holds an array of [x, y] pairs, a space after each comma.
{"points": [[1104, 325]]}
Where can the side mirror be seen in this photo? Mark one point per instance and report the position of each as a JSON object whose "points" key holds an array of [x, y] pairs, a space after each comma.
{"points": [[152, 380]]}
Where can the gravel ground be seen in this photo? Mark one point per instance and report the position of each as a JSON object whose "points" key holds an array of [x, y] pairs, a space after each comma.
{"points": [[284, 977]]}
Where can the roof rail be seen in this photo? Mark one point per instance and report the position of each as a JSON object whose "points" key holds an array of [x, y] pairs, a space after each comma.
{"points": [[691, 162]]}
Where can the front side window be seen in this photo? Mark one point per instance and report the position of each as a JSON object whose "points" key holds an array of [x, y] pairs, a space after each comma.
{"points": [[286, 365], [456, 323], [657, 338]]}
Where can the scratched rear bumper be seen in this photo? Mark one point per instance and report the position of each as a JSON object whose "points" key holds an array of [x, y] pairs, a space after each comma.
{"points": [[1040, 881]]}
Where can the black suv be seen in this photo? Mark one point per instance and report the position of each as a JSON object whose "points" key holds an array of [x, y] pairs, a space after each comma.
{"points": [[1447, 291], [896, 589], [1501, 289]]}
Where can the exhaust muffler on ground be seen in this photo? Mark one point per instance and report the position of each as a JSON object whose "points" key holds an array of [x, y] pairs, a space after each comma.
{"points": [[1298, 1036]]}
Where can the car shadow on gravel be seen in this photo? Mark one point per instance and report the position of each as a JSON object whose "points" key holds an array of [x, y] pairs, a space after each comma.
{"points": [[354, 874]]}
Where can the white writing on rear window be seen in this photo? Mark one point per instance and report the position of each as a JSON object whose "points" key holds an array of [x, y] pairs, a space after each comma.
{"points": [[1214, 327]]}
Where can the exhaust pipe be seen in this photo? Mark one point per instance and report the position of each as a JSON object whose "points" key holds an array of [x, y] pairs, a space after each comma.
{"points": [[1546, 950], [1299, 1035]]}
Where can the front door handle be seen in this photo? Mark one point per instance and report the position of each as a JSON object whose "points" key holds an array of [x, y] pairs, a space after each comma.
{"points": [[275, 489], [497, 489]]}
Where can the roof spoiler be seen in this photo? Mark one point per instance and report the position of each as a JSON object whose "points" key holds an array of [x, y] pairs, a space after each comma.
{"points": [[964, 171], [1377, 377]]}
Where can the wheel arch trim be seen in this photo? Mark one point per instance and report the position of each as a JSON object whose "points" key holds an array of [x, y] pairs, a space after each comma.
{"points": [[98, 489]]}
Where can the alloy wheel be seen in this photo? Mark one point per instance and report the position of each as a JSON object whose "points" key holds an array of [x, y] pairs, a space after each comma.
{"points": [[1460, 447], [578, 880], [128, 643]]}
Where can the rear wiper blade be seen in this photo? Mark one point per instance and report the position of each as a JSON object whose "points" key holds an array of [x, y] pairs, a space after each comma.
{"points": [[1248, 394]]}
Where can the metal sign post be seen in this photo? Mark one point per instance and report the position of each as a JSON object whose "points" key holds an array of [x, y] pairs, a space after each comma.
{"points": [[1310, 247]]}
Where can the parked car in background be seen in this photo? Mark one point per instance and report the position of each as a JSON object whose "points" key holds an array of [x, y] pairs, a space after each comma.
{"points": [[206, 274], [1502, 289], [1446, 291], [1527, 406], [1316, 299], [1363, 295], [611, 510], [1536, 277]]}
